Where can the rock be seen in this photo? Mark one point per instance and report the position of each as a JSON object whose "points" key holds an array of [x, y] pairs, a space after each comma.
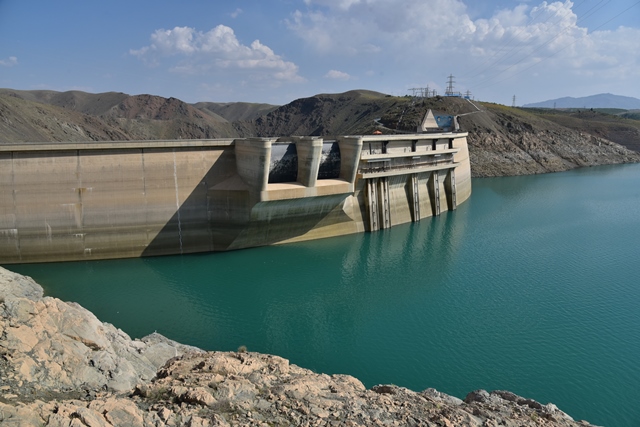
{"points": [[90, 418], [18, 416], [17, 285], [119, 412], [198, 396], [63, 367], [437, 396], [477, 396], [60, 345]]}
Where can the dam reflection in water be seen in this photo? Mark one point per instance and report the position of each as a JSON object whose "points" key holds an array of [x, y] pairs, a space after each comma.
{"points": [[530, 286]]}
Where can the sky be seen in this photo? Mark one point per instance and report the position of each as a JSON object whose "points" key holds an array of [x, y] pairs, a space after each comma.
{"points": [[275, 51]]}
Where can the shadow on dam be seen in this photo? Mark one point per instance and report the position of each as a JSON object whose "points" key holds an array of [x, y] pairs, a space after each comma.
{"points": [[218, 211]]}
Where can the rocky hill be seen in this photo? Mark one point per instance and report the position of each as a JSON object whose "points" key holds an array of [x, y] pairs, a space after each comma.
{"points": [[349, 113], [23, 120], [61, 366], [620, 127], [235, 111], [511, 141], [43, 116], [502, 140]]}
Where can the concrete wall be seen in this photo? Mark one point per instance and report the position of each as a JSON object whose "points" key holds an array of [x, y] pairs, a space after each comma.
{"points": [[63, 202]]}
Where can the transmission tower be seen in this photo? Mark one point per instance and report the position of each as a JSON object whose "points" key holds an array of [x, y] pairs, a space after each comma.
{"points": [[450, 82], [514, 101]]}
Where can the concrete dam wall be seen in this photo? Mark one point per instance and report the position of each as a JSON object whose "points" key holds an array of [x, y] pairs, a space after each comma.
{"points": [[100, 200]]}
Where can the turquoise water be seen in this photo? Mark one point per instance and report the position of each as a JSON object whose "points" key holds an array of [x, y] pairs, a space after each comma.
{"points": [[533, 286]]}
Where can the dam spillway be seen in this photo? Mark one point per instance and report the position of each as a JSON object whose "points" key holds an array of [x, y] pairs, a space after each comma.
{"points": [[101, 200]]}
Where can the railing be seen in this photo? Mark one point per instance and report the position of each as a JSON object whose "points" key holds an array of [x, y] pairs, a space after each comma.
{"points": [[374, 166]]}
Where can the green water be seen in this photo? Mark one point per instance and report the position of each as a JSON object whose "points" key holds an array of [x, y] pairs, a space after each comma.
{"points": [[533, 285]]}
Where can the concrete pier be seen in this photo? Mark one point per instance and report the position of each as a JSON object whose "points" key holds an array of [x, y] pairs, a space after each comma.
{"points": [[82, 201]]}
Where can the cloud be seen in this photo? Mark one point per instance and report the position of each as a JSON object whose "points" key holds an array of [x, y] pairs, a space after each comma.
{"points": [[337, 75], [236, 13], [547, 38], [353, 26], [12, 61], [218, 50]]}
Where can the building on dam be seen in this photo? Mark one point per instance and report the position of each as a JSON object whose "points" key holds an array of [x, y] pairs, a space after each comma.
{"points": [[99, 200]]}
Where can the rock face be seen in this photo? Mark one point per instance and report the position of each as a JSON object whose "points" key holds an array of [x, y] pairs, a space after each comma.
{"points": [[50, 347], [60, 366], [507, 141]]}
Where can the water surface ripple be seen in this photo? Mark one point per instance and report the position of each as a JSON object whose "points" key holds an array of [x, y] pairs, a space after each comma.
{"points": [[533, 286]]}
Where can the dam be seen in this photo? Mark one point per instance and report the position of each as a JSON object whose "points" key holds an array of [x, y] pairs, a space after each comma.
{"points": [[102, 200]]}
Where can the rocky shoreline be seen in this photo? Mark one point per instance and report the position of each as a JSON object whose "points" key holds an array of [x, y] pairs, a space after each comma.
{"points": [[61, 366]]}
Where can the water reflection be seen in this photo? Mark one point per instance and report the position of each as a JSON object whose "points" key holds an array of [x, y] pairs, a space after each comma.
{"points": [[531, 285]]}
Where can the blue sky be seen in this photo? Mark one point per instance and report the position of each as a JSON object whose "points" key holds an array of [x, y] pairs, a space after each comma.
{"points": [[277, 51]]}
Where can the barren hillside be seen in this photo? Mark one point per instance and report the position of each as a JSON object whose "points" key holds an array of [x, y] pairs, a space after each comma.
{"points": [[154, 117], [511, 141], [39, 116], [29, 121], [235, 111], [502, 140], [623, 128], [349, 113]]}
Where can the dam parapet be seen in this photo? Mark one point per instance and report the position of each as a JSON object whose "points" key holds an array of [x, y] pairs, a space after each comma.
{"points": [[100, 200]]}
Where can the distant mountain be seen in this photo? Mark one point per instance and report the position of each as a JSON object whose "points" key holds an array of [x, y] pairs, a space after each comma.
{"points": [[603, 100]]}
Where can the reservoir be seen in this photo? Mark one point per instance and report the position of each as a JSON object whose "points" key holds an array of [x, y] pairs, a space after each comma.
{"points": [[532, 286]]}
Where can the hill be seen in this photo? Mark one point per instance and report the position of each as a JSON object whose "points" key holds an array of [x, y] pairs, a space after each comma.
{"points": [[351, 112], [631, 114], [40, 116], [502, 140], [235, 111], [623, 128], [603, 100], [513, 141], [355, 112], [22, 120], [82, 102]]}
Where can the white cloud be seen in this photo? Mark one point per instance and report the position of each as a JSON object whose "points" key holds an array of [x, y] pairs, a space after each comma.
{"points": [[339, 4], [545, 38], [12, 61], [337, 75], [236, 13], [353, 26], [217, 49]]}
